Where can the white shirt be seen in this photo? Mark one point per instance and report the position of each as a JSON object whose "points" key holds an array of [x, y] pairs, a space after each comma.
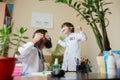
{"points": [[72, 50], [30, 58]]}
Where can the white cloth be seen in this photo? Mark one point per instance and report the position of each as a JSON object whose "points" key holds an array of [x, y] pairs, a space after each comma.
{"points": [[72, 50], [30, 58]]}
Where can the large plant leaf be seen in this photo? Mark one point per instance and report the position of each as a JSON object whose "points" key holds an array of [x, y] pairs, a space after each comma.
{"points": [[75, 3], [22, 30], [70, 1]]}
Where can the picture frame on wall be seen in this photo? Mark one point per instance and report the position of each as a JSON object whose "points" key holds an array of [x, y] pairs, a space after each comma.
{"points": [[42, 20]]}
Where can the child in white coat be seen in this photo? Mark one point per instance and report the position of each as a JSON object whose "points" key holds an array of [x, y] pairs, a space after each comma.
{"points": [[71, 43]]}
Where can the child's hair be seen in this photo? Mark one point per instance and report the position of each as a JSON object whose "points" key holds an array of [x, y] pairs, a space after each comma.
{"points": [[69, 25]]}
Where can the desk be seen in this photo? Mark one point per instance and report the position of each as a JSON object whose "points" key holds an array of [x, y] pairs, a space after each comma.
{"points": [[68, 76]]}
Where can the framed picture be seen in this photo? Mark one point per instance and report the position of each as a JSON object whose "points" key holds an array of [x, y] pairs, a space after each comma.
{"points": [[42, 20]]}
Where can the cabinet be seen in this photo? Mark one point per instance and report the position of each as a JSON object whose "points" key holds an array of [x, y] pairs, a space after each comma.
{"points": [[5, 15]]}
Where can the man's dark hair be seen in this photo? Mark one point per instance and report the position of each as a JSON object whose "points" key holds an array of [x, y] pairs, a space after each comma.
{"points": [[47, 42], [43, 31]]}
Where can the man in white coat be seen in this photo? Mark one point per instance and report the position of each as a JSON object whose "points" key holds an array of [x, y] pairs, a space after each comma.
{"points": [[71, 43], [31, 54]]}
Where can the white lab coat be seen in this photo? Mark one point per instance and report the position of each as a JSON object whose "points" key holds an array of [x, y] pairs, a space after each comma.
{"points": [[30, 58], [72, 50]]}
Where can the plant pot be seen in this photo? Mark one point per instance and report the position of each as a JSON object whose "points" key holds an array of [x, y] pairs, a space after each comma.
{"points": [[101, 64], [7, 65]]}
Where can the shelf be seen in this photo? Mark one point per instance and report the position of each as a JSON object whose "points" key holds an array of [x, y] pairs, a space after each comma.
{"points": [[5, 14]]}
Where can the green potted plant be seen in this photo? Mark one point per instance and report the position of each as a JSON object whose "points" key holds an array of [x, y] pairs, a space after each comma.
{"points": [[94, 13], [19, 38], [7, 63], [56, 53]]}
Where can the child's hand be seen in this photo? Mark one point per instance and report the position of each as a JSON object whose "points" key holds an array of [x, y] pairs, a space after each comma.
{"points": [[79, 28]]}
